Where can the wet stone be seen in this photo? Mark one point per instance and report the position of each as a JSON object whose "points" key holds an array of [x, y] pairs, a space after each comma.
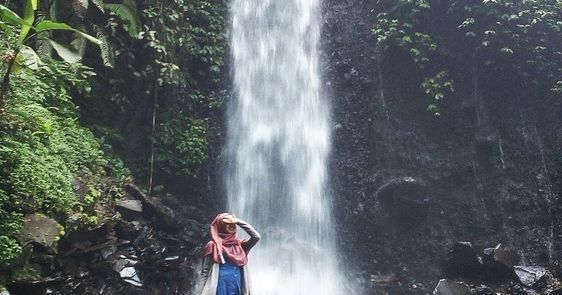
{"points": [[448, 287], [499, 262], [530, 275], [129, 275], [130, 209]]}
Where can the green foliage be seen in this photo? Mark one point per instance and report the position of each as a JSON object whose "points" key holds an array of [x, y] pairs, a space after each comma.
{"points": [[128, 13], [518, 38], [9, 250], [46, 156], [436, 87], [174, 68], [187, 33], [23, 25], [182, 149]]}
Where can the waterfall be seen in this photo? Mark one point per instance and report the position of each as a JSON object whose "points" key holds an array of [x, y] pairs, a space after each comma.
{"points": [[278, 146]]}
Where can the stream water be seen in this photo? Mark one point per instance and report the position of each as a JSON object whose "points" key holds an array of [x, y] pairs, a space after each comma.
{"points": [[278, 146]]}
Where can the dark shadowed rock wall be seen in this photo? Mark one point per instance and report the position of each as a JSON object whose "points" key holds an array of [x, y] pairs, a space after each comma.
{"points": [[408, 184]]}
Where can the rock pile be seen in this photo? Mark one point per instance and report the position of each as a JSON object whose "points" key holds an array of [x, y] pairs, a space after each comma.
{"points": [[492, 271], [150, 250]]}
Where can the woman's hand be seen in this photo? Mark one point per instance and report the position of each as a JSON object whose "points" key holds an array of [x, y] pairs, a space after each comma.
{"points": [[231, 219]]}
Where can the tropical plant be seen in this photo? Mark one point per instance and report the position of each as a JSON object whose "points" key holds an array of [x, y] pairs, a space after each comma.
{"points": [[22, 54]]}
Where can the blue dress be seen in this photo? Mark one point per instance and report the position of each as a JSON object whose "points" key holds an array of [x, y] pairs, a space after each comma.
{"points": [[230, 279]]}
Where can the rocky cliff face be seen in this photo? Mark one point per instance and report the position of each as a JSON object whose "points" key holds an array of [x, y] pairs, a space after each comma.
{"points": [[408, 184]]}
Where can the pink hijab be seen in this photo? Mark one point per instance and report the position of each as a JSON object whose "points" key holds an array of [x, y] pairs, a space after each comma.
{"points": [[225, 243]]}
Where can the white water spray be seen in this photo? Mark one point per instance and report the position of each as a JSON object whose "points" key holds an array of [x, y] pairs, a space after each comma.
{"points": [[278, 147]]}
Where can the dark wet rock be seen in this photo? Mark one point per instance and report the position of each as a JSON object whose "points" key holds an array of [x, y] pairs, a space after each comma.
{"points": [[462, 261], [499, 263], [530, 275], [553, 292], [482, 290], [154, 209], [405, 200], [448, 287], [383, 279], [508, 258], [40, 230], [480, 160], [401, 190], [129, 209], [119, 257], [128, 230]]}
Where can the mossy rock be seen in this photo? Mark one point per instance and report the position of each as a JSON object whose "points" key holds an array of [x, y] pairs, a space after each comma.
{"points": [[39, 229], [26, 273]]}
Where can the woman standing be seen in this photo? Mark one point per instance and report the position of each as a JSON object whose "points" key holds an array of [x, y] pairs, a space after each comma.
{"points": [[225, 258]]}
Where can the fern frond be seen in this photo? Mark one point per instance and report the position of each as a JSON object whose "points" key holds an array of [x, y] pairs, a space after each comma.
{"points": [[99, 4], [128, 14], [107, 54]]}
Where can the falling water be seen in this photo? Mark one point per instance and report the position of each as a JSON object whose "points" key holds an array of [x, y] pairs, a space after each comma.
{"points": [[278, 146]]}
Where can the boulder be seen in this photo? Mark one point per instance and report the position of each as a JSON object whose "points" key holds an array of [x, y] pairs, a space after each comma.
{"points": [[507, 257], [499, 262], [130, 209], [530, 275], [40, 230], [154, 209], [448, 287]]}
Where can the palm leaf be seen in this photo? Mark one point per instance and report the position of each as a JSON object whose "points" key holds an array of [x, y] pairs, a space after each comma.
{"points": [[9, 16], [48, 25], [127, 13]]}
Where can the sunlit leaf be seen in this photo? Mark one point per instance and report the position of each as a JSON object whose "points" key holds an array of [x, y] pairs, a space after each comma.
{"points": [[28, 19], [47, 25], [9, 16], [67, 54]]}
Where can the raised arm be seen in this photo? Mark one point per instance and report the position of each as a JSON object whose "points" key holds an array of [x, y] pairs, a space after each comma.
{"points": [[252, 232]]}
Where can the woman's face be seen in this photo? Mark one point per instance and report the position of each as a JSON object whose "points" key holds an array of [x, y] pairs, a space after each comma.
{"points": [[230, 228], [229, 225]]}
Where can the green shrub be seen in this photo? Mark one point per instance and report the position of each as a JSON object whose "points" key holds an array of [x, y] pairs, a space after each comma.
{"points": [[49, 163]]}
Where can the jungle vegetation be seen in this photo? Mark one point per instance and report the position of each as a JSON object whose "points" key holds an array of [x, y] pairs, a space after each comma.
{"points": [[95, 91]]}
